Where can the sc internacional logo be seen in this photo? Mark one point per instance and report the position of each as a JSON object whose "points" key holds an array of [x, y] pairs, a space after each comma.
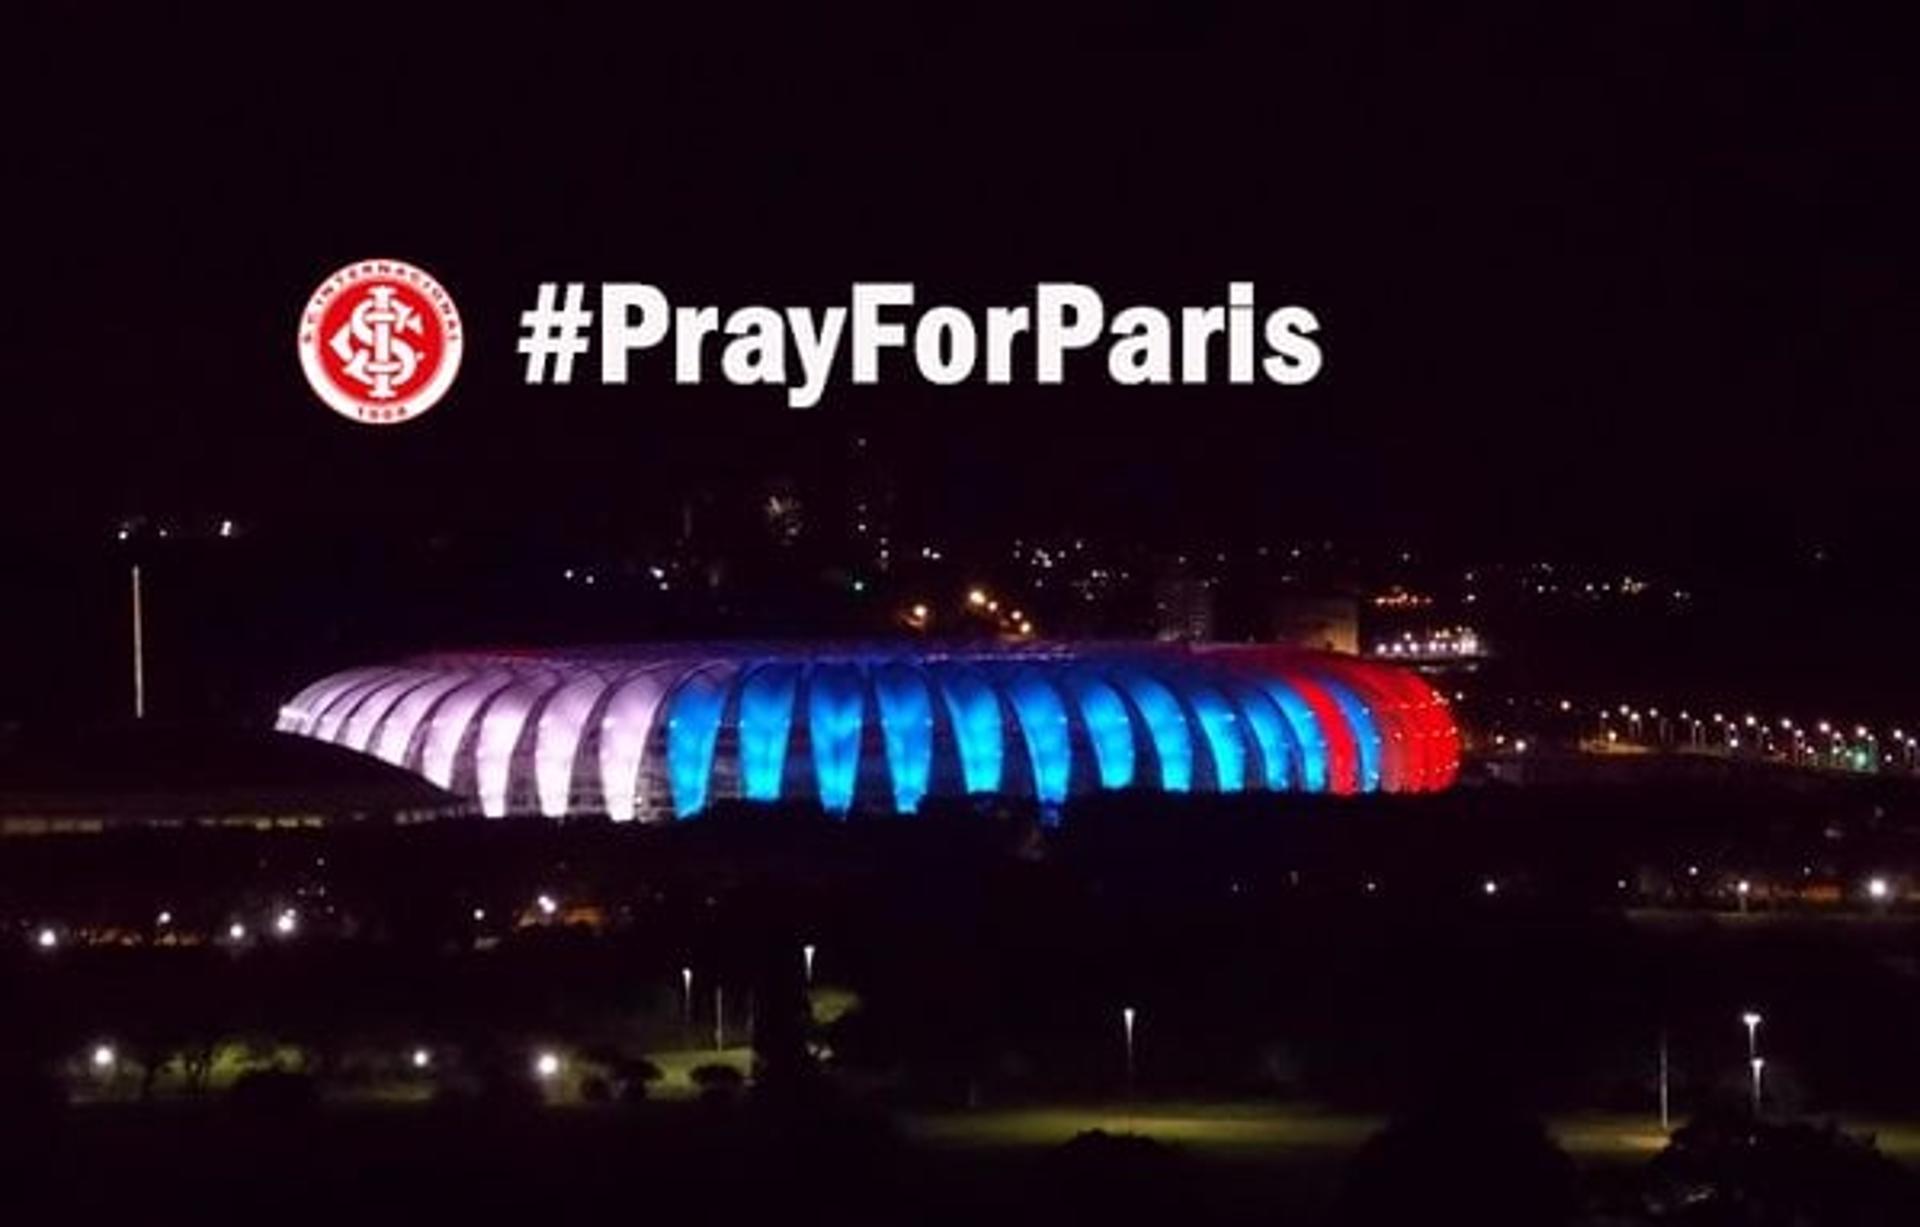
{"points": [[380, 341]]}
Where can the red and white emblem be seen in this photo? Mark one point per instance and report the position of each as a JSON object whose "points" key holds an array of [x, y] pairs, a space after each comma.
{"points": [[380, 341]]}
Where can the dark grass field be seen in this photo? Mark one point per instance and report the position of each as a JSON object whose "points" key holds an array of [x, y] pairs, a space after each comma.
{"points": [[689, 1161]]}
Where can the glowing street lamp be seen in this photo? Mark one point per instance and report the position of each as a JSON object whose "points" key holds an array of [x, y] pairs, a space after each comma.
{"points": [[1126, 1026], [547, 905], [237, 932], [806, 956], [1878, 889], [686, 1004], [1757, 1064], [104, 1058], [546, 1066], [286, 922], [422, 1058], [46, 939], [1752, 1019]]}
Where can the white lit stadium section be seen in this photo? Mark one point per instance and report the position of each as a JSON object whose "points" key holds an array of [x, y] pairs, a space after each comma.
{"points": [[663, 732]]}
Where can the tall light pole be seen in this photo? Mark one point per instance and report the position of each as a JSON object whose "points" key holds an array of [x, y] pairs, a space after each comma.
{"points": [[1752, 1019], [1126, 1026], [686, 1005], [806, 956], [1665, 1100], [1757, 1065], [139, 651]]}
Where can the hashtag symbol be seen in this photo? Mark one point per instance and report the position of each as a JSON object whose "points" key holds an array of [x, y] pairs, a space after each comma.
{"points": [[555, 332]]}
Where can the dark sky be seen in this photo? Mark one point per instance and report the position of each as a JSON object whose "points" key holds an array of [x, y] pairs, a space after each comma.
{"points": [[1638, 280]]}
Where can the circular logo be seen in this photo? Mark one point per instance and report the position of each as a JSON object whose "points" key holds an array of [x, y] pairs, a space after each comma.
{"points": [[380, 341]]}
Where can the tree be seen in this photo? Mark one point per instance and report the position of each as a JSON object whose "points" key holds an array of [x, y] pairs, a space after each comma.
{"points": [[718, 1083], [1728, 1168], [633, 1076], [1487, 1167]]}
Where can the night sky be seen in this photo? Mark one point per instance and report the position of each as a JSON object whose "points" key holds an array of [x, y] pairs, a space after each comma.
{"points": [[1631, 282]]}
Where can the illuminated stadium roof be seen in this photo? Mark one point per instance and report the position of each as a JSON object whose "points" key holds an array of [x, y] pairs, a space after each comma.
{"points": [[664, 731]]}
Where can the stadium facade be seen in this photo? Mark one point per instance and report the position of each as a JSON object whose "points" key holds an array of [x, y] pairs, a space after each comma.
{"points": [[664, 731]]}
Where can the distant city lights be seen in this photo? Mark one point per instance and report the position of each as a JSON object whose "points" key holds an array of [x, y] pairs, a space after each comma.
{"points": [[1442, 643]]}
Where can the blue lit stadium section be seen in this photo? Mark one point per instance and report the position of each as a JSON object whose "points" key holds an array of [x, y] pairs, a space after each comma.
{"points": [[663, 732]]}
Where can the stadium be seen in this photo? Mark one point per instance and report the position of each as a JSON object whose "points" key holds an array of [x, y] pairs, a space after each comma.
{"points": [[665, 731]]}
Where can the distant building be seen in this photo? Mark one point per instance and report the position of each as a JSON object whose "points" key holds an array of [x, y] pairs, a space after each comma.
{"points": [[180, 778], [1183, 608], [1323, 623]]}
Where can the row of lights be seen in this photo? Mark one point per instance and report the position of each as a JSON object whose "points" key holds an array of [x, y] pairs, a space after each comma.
{"points": [[980, 603], [1444, 642], [1864, 750], [1759, 727], [547, 1063], [286, 922]]}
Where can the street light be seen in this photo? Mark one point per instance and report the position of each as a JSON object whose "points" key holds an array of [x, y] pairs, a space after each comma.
{"points": [[1752, 1019], [686, 1003], [422, 1058], [286, 922], [104, 1058], [546, 905], [1126, 1025], [1878, 889], [46, 939], [546, 1066], [1665, 1097], [806, 956], [1757, 1065]]}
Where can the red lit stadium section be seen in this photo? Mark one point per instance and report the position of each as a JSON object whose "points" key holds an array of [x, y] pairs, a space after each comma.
{"points": [[662, 732]]}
